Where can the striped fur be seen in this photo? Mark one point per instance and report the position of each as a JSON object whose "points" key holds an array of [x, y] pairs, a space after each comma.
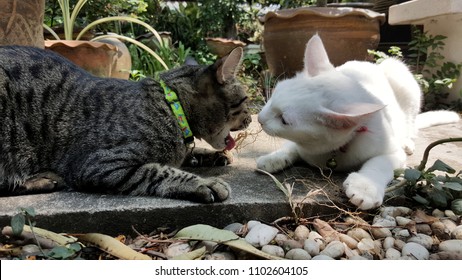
{"points": [[64, 127]]}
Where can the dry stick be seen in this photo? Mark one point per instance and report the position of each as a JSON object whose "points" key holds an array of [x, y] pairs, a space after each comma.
{"points": [[424, 160], [431, 146]]}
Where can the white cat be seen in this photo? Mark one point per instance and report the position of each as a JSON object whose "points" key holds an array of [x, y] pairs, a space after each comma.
{"points": [[358, 117]]}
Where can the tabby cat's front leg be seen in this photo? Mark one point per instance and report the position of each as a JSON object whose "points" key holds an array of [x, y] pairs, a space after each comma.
{"points": [[121, 174]]}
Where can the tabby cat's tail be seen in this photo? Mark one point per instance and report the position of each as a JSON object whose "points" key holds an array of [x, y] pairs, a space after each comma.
{"points": [[432, 118]]}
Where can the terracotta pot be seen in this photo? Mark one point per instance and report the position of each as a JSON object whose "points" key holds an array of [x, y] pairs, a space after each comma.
{"points": [[222, 46], [347, 34], [95, 57], [21, 22]]}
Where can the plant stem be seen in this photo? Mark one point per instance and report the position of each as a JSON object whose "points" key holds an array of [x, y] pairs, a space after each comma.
{"points": [[431, 146]]}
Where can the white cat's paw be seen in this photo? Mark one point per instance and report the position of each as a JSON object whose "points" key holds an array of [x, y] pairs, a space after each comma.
{"points": [[273, 163], [363, 192], [409, 147]]}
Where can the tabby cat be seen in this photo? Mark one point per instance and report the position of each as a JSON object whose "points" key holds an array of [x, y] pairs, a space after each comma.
{"points": [[61, 126]]}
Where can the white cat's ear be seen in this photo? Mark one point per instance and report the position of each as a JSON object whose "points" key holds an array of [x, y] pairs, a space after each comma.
{"points": [[316, 59], [349, 116], [229, 66]]}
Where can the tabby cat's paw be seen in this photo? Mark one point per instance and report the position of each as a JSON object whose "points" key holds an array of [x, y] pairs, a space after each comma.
{"points": [[212, 190], [272, 163], [363, 192]]}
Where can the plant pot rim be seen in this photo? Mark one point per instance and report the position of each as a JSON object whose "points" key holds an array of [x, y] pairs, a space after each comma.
{"points": [[225, 41], [329, 12], [79, 43]]}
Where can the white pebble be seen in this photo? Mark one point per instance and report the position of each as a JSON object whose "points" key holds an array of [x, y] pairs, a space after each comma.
{"points": [[312, 247], [280, 238], [301, 232], [322, 257], [402, 221], [252, 223], [260, 235], [422, 239], [298, 254], [273, 250], [457, 232], [449, 224], [387, 221], [358, 234], [392, 254], [395, 211], [437, 213], [402, 234], [335, 249], [292, 244], [366, 245], [317, 238], [313, 235], [454, 246], [388, 243], [359, 258], [424, 228], [415, 250], [177, 249], [450, 214]]}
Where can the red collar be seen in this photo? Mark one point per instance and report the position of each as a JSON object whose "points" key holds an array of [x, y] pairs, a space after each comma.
{"points": [[361, 129]]}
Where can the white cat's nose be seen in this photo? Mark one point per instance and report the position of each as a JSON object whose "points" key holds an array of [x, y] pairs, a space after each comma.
{"points": [[259, 118]]}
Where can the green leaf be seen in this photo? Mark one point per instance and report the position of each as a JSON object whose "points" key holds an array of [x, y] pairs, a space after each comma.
{"points": [[29, 211], [438, 198], [420, 199], [226, 237], [453, 186], [456, 206], [17, 223], [441, 166], [62, 253], [412, 175]]}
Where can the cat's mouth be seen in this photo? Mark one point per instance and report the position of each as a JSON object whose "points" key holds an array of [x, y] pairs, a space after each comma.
{"points": [[229, 142]]}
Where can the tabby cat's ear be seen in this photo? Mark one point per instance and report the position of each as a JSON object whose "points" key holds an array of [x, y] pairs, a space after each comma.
{"points": [[316, 60], [229, 65], [349, 116]]}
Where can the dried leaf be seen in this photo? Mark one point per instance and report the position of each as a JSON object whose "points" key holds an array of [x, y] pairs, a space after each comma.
{"points": [[112, 246], [325, 230], [226, 237], [420, 217]]}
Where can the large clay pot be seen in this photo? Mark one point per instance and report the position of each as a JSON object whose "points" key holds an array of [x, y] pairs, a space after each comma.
{"points": [[95, 57], [21, 22], [347, 34], [222, 46]]}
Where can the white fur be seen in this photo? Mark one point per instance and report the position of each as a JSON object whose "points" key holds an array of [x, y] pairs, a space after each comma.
{"points": [[323, 111]]}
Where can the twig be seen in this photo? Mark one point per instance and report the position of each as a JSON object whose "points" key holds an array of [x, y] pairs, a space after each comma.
{"points": [[431, 146]]}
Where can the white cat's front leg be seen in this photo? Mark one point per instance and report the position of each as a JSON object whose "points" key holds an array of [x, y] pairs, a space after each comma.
{"points": [[280, 159], [366, 188]]}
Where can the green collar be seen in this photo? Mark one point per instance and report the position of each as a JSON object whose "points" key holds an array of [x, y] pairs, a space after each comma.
{"points": [[177, 110]]}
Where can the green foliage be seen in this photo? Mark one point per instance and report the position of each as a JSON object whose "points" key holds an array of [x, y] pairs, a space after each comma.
{"points": [[25, 217], [18, 221], [437, 186], [147, 66], [434, 75]]}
